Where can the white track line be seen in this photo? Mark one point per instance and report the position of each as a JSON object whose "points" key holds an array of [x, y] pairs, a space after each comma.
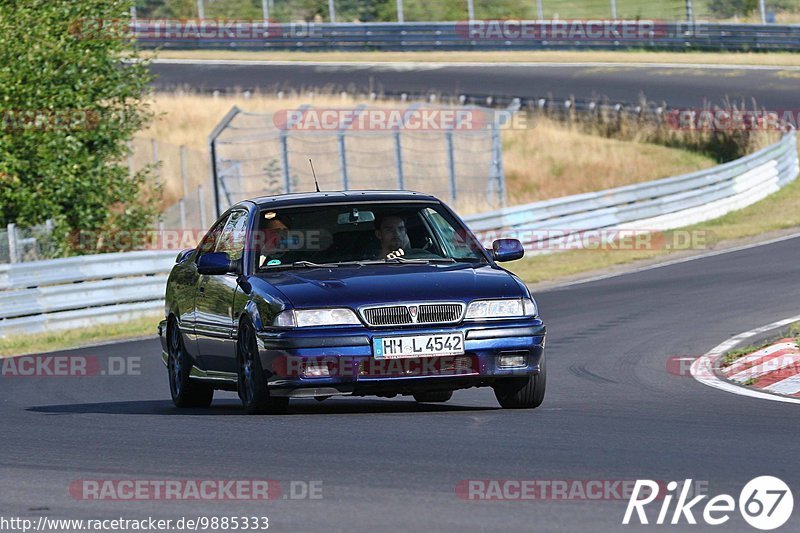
{"points": [[703, 368], [411, 65]]}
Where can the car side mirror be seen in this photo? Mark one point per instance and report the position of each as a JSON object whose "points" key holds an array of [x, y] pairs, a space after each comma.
{"points": [[183, 254], [507, 250], [217, 263]]}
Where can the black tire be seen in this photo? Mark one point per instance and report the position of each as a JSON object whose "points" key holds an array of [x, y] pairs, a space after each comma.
{"points": [[185, 392], [433, 397], [252, 384], [522, 393]]}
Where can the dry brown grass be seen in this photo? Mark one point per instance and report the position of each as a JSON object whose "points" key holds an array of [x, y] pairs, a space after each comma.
{"points": [[568, 56], [554, 159], [546, 160]]}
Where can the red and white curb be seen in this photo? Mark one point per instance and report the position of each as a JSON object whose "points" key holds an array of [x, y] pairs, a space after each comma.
{"points": [[774, 370]]}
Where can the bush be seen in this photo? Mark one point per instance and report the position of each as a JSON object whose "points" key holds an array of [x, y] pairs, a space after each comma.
{"points": [[69, 108], [722, 144]]}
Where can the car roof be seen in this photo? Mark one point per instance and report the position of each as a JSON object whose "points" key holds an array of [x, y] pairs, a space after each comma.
{"points": [[344, 197]]}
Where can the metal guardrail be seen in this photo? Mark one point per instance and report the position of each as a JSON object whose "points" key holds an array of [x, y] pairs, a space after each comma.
{"points": [[657, 205], [82, 291], [457, 36]]}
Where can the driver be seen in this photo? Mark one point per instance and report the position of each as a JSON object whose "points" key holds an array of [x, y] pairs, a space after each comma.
{"points": [[275, 230], [391, 232]]}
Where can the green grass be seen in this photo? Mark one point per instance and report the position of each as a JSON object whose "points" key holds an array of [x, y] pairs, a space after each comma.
{"points": [[61, 340]]}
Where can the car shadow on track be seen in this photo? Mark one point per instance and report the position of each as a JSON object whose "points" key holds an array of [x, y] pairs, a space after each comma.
{"points": [[231, 407]]}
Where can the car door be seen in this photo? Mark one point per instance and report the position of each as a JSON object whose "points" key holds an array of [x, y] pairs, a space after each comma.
{"points": [[214, 323], [186, 283]]}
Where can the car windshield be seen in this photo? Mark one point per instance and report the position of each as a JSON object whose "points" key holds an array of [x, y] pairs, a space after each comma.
{"points": [[362, 234]]}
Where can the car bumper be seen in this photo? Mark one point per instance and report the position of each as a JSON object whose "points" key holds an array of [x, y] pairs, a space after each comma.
{"points": [[339, 361]]}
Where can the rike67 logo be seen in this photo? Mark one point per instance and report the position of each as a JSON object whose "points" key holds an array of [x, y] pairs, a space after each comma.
{"points": [[765, 503]]}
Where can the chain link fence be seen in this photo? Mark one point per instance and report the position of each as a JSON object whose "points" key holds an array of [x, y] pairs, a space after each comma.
{"points": [[184, 173], [767, 11], [23, 245], [452, 153]]}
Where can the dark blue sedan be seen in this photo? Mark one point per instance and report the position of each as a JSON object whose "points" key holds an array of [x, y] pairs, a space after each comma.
{"points": [[357, 293]]}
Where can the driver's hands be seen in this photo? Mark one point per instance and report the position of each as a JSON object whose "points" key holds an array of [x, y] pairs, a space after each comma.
{"points": [[397, 253]]}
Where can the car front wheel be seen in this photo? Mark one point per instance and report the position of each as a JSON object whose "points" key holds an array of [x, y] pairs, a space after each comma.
{"points": [[252, 382], [185, 392], [522, 393]]}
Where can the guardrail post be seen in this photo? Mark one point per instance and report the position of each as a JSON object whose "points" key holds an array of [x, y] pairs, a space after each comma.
{"points": [[13, 252], [398, 155], [287, 180], [451, 164], [343, 161]]}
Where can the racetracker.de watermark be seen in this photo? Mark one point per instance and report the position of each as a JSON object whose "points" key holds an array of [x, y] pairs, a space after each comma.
{"points": [[22, 120], [72, 366], [689, 119], [556, 30], [349, 367], [194, 489], [286, 240], [630, 240], [558, 489], [409, 118], [192, 30]]}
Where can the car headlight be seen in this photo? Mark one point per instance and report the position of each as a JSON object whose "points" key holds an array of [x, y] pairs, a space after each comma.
{"points": [[518, 307], [303, 318]]}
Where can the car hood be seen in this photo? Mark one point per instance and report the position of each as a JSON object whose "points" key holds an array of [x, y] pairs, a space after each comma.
{"points": [[352, 286]]}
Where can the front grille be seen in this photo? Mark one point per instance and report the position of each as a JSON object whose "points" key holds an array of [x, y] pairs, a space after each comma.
{"points": [[400, 315]]}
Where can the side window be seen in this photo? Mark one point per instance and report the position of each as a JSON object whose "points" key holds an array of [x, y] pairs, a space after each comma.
{"points": [[209, 242], [454, 243], [232, 239]]}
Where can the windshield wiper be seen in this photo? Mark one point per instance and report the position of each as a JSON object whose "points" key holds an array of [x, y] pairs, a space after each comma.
{"points": [[300, 264], [309, 264], [404, 261]]}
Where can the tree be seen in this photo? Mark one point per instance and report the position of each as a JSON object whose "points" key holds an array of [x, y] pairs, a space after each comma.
{"points": [[69, 108]]}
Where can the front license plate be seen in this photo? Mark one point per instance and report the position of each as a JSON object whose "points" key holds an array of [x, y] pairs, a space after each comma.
{"points": [[418, 346]]}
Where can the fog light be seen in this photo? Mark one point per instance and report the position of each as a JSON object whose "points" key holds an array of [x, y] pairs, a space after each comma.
{"points": [[316, 370], [511, 361]]}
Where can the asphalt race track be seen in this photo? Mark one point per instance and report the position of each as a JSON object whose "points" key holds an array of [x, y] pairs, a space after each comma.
{"points": [[612, 412], [775, 89]]}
